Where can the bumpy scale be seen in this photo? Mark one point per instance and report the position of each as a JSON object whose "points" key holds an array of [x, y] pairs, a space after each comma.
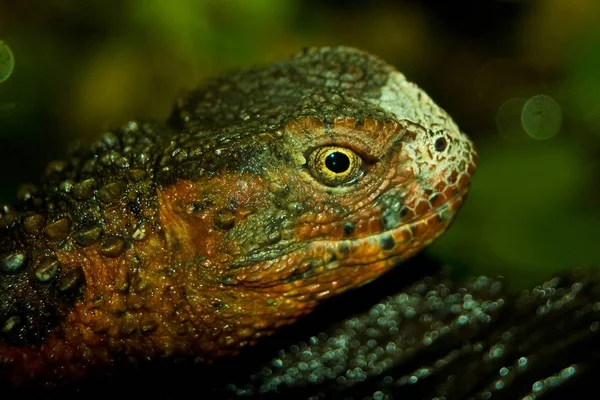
{"points": [[267, 191]]}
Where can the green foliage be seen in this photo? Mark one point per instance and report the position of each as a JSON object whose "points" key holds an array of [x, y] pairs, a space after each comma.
{"points": [[525, 216]]}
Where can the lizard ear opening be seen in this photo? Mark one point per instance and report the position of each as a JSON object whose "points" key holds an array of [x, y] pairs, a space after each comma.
{"points": [[335, 165], [440, 144]]}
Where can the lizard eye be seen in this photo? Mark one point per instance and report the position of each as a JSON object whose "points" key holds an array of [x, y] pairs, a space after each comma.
{"points": [[334, 165]]}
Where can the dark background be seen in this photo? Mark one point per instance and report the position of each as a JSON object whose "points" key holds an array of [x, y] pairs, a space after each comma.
{"points": [[522, 78]]}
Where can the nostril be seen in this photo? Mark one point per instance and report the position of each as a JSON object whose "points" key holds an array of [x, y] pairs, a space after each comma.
{"points": [[440, 144]]}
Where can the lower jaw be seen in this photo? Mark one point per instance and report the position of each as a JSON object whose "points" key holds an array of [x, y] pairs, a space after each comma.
{"points": [[331, 267], [399, 243]]}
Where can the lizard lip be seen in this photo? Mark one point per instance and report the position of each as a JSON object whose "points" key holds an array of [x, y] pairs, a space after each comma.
{"points": [[397, 243], [400, 242], [453, 204]]}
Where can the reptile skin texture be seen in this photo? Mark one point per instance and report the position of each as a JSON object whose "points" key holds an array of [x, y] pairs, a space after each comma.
{"points": [[266, 192]]}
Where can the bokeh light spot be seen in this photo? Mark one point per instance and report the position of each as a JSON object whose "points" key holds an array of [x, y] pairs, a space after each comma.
{"points": [[508, 120], [7, 61], [541, 117]]}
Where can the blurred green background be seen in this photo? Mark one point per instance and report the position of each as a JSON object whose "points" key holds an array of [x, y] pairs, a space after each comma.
{"points": [[522, 78]]}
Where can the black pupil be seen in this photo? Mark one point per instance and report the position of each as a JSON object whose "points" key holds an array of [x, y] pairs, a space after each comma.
{"points": [[337, 162]]}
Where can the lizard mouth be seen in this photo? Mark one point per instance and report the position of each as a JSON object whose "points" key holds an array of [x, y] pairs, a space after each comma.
{"points": [[400, 242], [319, 260]]}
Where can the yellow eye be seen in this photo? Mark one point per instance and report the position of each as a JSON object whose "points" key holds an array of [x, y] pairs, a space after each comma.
{"points": [[334, 166]]}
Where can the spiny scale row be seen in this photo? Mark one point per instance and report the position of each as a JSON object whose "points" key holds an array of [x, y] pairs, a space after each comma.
{"points": [[46, 268]]}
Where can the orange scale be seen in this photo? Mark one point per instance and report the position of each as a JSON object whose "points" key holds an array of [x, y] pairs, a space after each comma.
{"points": [[439, 200], [403, 235]]}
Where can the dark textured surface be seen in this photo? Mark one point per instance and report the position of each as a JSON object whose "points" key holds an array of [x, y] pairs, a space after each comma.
{"points": [[441, 340]]}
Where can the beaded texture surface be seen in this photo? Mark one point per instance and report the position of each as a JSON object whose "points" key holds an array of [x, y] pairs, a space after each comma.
{"points": [[439, 340]]}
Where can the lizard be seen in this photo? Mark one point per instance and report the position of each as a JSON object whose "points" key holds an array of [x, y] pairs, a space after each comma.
{"points": [[266, 192]]}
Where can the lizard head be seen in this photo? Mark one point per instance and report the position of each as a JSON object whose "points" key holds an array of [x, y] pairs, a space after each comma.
{"points": [[309, 177]]}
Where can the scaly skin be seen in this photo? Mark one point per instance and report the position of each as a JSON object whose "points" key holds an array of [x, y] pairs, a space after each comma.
{"points": [[198, 237]]}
